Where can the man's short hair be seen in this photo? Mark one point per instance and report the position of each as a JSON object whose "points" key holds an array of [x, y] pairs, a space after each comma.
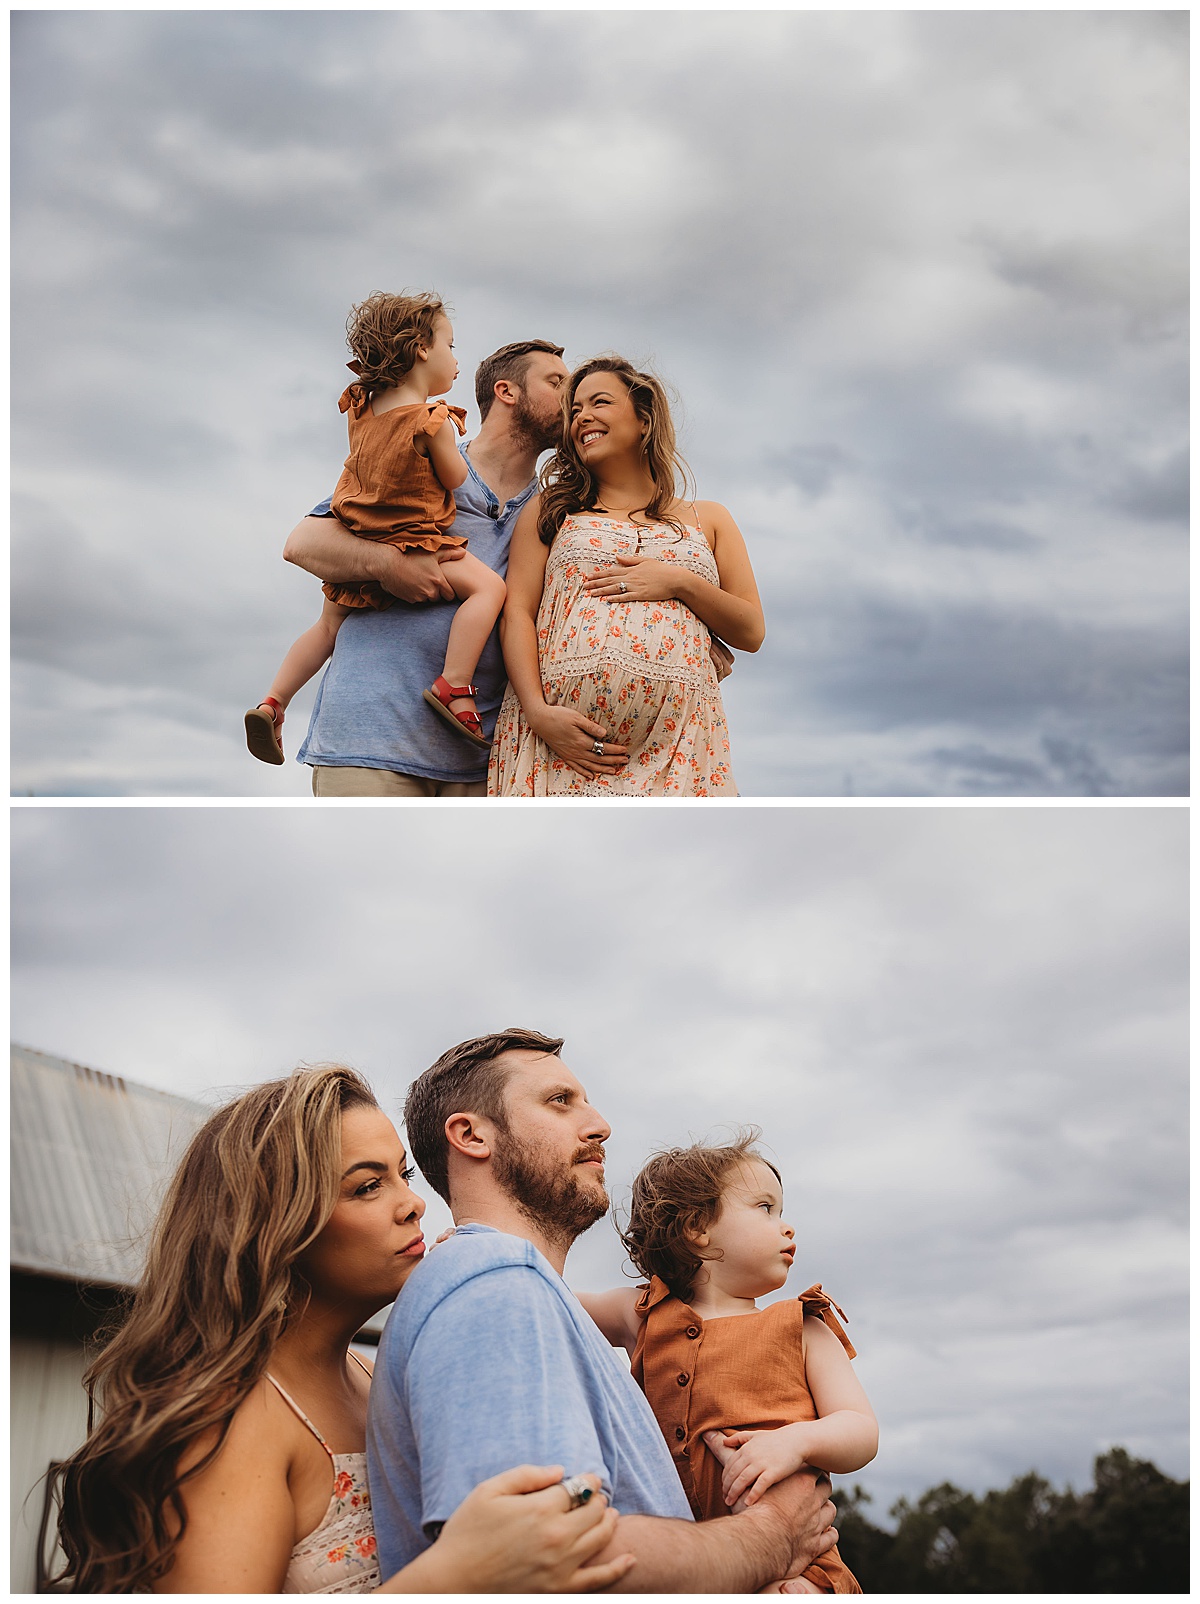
{"points": [[510, 362], [465, 1080]]}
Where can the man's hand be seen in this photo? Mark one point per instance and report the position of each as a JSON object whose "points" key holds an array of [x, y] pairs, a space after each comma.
{"points": [[415, 576]]}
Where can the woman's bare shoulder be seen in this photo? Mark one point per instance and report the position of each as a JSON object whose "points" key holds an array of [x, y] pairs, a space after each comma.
{"points": [[262, 1430], [711, 512]]}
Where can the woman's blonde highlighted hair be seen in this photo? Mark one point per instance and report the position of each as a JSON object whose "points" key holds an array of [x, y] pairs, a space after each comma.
{"points": [[568, 485], [255, 1187]]}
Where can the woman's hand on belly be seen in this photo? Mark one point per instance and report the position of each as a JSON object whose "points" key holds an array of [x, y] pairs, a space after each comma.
{"points": [[637, 579], [573, 738]]}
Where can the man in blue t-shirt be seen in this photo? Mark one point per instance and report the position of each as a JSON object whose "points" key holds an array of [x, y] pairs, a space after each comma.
{"points": [[371, 733], [489, 1361]]}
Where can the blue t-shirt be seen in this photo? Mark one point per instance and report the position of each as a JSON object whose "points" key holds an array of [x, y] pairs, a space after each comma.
{"points": [[488, 1361], [369, 712]]}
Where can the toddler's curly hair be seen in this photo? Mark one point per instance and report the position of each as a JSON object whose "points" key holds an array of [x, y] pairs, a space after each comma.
{"points": [[677, 1196], [384, 332]]}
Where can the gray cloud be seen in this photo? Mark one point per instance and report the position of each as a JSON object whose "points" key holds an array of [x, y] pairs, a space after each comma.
{"points": [[920, 279], [962, 1031]]}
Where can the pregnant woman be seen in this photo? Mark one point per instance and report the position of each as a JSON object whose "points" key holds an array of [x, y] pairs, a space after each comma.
{"points": [[616, 588]]}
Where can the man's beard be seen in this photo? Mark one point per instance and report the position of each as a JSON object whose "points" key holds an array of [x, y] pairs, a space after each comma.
{"points": [[557, 1201], [540, 434]]}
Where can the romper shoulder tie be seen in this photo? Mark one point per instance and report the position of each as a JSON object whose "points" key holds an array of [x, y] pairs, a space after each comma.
{"points": [[439, 411], [820, 1305]]}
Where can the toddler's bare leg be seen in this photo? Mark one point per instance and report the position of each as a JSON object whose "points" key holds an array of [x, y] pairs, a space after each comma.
{"points": [[481, 594], [309, 654], [264, 723]]}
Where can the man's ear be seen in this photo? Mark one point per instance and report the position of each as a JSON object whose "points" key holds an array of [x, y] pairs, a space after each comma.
{"points": [[505, 390], [469, 1135]]}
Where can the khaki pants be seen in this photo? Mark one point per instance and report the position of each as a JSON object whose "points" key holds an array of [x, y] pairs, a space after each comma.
{"points": [[383, 782]]}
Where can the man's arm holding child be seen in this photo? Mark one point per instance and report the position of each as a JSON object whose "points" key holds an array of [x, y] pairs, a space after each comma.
{"points": [[527, 1365], [326, 548], [845, 1437], [789, 1528]]}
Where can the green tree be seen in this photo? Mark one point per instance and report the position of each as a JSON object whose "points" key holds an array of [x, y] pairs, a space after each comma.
{"points": [[1128, 1534]]}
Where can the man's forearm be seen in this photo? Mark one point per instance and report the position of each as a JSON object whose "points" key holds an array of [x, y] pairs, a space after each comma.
{"points": [[326, 548], [735, 1555]]}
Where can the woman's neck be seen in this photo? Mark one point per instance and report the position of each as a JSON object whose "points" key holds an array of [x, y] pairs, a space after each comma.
{"points": [[318, 1339], [623, 493]]}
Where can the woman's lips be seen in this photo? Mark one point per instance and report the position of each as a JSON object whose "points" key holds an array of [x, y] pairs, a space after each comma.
{"points": [[414, 1249]]}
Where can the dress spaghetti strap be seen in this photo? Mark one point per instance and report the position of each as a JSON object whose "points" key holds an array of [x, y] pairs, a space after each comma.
{"points": [[291, 1402], [288, 1399]]}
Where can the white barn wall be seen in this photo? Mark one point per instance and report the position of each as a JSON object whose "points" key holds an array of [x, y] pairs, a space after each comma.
{"points": [[48, 1419]]}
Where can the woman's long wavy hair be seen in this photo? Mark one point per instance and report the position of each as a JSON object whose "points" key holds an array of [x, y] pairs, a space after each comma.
{"points": [[568, 485], [256, 1186]]}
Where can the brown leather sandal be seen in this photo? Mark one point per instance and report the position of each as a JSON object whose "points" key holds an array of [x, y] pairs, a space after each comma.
{"points": [[439, 696], [263, 724]]}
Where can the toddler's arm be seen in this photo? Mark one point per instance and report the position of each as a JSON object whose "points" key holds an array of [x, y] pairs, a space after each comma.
{"points": [[444, 455], [615, 1313], [844, 1438]]}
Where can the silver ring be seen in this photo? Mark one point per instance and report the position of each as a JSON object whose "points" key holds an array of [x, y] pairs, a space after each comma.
{"points": [[623, 587], [598, 748], [578, 1491]]}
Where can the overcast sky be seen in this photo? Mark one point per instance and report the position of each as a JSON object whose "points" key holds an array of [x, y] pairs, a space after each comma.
{"points": [[919, 278], [962, 1032]]}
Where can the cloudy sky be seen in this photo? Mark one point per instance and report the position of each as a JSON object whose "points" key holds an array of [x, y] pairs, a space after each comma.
{"points": [[919, 279], [962, 1031]]}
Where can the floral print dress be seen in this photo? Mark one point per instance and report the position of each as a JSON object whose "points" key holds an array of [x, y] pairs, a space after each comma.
{"points": [[338, 1556], [640, 668]]}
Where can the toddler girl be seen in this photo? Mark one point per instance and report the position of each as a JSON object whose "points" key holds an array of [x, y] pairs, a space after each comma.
{"points": [[398, 486], [706, 1227]]}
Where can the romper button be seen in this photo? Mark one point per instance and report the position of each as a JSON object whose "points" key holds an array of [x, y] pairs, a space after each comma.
{"points": [[693, 1331], [680, 1434], [682, 1378]]}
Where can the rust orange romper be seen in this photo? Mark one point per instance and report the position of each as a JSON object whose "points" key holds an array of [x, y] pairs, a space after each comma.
{"points": [[388, 490], [742, 1373]]}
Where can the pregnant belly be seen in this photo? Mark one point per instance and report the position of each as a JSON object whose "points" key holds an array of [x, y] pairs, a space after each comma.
{"points": [[661, 639], [640, 710]]}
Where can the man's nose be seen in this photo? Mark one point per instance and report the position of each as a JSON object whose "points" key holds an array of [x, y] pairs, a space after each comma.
{"points": [[598, 1128]]}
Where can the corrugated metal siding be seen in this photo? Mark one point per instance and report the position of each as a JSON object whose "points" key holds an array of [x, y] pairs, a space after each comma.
{"points": [[90, 1157], [47, 1421]]}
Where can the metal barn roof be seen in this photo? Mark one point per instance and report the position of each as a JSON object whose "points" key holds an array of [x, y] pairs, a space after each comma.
{"points": [[91, 1154]]}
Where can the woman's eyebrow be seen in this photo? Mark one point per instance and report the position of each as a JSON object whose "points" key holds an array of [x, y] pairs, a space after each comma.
{"points": [[371, 1164]]}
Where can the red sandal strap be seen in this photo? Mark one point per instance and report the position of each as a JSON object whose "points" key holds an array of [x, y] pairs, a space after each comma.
{"points": [[446, 693], [269, 701]]}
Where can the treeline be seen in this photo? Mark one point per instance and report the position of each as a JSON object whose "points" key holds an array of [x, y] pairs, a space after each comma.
{"points": [[1127, 1534]]}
